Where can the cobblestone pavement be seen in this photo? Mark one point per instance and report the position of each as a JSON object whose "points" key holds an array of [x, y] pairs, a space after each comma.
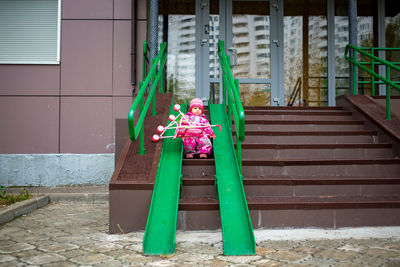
{"points": [[76, 234]]}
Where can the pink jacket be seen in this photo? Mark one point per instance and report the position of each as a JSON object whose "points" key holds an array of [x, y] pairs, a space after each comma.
{"points": [[196, 132]]}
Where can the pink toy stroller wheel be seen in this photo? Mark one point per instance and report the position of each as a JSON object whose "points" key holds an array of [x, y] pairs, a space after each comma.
{"points": [[177, 107], [160, 129], [171, 117], [155, 138]]}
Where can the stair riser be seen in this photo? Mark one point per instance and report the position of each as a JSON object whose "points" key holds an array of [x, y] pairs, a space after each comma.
{"points": [[322, 190], [278, 218], [369, 153], [306, 139], [303, 127], [198, 191], [198, 171], [367, 170], [302, 117]]}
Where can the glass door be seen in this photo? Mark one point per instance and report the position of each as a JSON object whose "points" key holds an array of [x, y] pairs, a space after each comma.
{"points": [[253, 38]]}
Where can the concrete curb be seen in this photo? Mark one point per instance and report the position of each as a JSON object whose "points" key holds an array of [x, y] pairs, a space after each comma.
{"points": [[24, 207]]}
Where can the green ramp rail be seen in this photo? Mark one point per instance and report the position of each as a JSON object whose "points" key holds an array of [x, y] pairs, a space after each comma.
{"points": [[159, 236], [237, 230], [374, 61], [153, 78]]}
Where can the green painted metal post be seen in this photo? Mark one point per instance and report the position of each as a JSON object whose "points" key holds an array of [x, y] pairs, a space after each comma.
{"points": [[373, 69], [142, 150], [355, 90], [388, 116], [154, 103]]}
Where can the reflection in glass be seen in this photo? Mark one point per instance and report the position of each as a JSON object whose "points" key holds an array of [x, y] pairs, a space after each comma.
{"points": [[214, 36], [181, 57], [393, 40], [252, 42], [255, 94], [293, 61]]}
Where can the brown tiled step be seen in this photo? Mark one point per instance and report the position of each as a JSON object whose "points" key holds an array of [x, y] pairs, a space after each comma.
{"points": [[384, 167], [198, 187], [298, 116], [298, 151], [309, 137], [323, 186], [299, 113], [198, 203], [296, 162], [290, 108], [320, 180], [193, 168], [274, 203], [308, 133], [323, 202], [301, 122], [305, 125]]}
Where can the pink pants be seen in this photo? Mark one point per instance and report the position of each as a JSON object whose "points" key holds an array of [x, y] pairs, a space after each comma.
{"points": [[197, 145]]}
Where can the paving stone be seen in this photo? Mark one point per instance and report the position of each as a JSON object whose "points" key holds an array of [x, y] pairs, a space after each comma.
{"points": [[239, 259], [286, 256], [74, 253], [60, 264], [91, 259], [267, 262], [16, 248], [385, 253], [336, 254], [43, 259], [57, 247], [7, 258]]}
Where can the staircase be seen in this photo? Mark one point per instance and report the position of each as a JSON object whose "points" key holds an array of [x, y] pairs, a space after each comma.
{"points": [[303, 167]]}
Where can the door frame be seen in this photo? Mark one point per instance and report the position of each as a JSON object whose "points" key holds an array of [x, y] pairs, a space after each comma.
{"points": [[225, 33]]}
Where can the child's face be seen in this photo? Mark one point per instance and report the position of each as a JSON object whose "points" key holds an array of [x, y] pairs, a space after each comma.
{"points": [[196, 111]]}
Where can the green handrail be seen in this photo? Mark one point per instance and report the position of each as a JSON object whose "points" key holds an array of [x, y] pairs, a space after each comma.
{"points": [[154, 76], [374, 59], [231, 99]]}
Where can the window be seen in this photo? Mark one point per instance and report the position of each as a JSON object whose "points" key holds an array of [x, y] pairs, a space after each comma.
{"points": [[30, 31]]}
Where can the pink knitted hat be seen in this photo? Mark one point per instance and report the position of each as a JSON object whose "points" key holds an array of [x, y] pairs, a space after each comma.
{"points": [[196, 102]]}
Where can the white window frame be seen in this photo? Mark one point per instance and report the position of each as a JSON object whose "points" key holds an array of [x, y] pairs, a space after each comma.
{"points": [[58, 46]]}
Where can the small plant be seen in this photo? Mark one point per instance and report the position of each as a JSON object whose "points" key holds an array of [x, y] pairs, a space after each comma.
{"points": [[8, 199]]}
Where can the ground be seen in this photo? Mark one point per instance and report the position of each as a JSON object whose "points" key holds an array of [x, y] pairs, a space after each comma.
{"points": [[76, 234]]}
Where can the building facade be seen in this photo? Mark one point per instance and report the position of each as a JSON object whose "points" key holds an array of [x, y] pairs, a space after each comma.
{"points": [[59, 102]]}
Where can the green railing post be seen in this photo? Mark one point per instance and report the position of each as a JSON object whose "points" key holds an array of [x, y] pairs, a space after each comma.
{"points": [[355, 90], [388, 115], [373, 69], [141, 150], [153, 78], [386, 80], [137, 131]]}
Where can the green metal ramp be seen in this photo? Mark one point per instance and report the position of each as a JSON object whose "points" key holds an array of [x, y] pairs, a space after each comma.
{"points": [[159, 236], [237, 230]]}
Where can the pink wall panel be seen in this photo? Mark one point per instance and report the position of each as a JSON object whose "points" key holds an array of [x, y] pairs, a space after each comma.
{"points": [[86, 57], [87, 9], [122, 9], [29, 79], [121, 106], [29, 124], [141, 9], [86, 125], [122, 59], [140, 38]]}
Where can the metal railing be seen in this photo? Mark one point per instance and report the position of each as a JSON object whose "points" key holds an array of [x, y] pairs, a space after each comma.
{"points": [[374, 61], [231, 100], [295, 93], [155, 75]]}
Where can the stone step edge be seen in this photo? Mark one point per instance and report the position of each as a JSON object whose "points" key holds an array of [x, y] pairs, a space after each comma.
{"points": [[39, 200]]}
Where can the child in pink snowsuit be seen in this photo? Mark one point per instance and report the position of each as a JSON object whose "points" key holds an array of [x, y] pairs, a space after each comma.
{"points": [[200, 142]]}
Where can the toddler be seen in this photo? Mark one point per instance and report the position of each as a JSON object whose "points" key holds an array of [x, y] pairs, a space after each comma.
{"points": [[200, 142]]}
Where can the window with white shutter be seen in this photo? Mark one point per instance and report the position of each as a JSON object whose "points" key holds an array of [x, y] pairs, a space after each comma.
{"points": [[30, 31]]}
